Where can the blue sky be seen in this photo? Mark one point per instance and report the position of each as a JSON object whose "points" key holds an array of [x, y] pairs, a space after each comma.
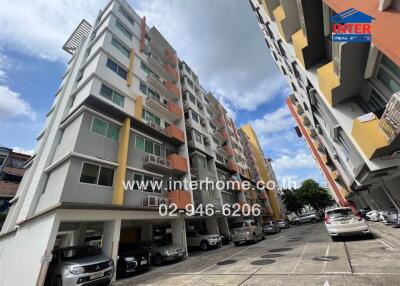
{"points": [[219, 39]]}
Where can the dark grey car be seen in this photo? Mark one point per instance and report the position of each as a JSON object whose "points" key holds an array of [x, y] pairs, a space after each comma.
{"points": [[79, 265], [270, 227], [282, 224], [162, 251]]}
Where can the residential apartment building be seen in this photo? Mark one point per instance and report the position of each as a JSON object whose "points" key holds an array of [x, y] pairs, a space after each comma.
{"points": [[345, 98], [263, 171], [127, 110], [11, 172]]}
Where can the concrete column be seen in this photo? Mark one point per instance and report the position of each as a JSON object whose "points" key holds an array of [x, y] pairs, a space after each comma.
{"points": [[78, 235], [111, 235], [212, 225], [179, 232], [223, 225], [147, 232]]}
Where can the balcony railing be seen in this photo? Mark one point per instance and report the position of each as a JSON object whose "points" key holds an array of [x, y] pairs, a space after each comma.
{"points": [[390, 121]]}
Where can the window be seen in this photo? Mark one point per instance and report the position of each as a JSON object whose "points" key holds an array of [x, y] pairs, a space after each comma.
{"points": [[2, 159], [195, 116], [116, 68], [120, 47], [112, 95], [215, 141], [189, 82], [219, 158], [145, 68], [105, 128], [212, 126], [126, 15], [124, 30], [147, 90], [151, 182], [96, 174], [150, 117], [148, 146], [389, 74], [197, 136], [192, 98]]}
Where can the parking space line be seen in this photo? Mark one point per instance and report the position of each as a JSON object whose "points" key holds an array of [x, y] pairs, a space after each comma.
{"points": [[326, 254], [303, 252], [385, 244]]}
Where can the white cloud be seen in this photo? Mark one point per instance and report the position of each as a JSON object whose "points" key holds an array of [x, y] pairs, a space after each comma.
{"points": [[23, 150], [40, 28], [12, 105], [299, 160], [276, 121]]}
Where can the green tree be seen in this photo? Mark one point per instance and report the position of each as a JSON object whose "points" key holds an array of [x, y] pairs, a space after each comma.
{"points": [[292, 201], [312, 194]]}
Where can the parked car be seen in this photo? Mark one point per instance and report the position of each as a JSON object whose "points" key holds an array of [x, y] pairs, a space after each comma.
{"points": [[389, 216], [342, 221], [270, 227], [80, 265], [364, 212], [305, 218], [225, 238], [372, 215], [161, 251], [247, 230], [283, 224], [204, 241], [132, 258]]}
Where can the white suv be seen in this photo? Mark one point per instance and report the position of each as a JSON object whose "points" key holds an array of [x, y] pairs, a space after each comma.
{"points": [[248, 230], [205, 241], [342, 221]]}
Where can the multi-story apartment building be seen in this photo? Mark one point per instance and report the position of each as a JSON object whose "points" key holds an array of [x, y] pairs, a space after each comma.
{"points": [[215, 150], [346, 98], [11, 172], [263, 171]]}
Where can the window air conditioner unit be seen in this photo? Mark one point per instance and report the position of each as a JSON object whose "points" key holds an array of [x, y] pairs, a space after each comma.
{"points": [[150, 201]]}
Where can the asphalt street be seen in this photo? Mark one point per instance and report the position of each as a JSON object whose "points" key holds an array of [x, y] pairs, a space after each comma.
{"points": [[303, 255]]}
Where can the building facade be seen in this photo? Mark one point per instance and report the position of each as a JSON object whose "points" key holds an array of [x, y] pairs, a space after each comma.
{"points": [[127, 112], [345, 96], [263, 169], [11, 172]]}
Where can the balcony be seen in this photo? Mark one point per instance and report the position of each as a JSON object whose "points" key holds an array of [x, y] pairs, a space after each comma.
{"points": [[287, 19], [178, 163], [269, 7], [169, 110], [180, 198], [175, 133], [228, 150], [233, 166], [379, 137], [166, 70], [156, 163], [309, 41], [217, 120], [299, 108], [335, 174], [168, 89], [306, 120], [166, 56], [342, 78]]}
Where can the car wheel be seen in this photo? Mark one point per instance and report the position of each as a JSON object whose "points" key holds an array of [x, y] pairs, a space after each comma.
{"points": [[297, 223], [313, 220], [57, 281], [158, 260], [236, 243], [204, 245], [334, 238], [255, 240]]}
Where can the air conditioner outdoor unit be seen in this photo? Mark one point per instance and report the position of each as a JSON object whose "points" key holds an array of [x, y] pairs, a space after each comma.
{"points": [[150, 201]]}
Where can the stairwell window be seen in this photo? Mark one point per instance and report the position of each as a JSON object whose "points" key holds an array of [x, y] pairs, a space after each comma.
{"points": [[112, 95], [126, 15], [116, 68], [124, 30], [116, 44], [97, 174], [105, 128]]}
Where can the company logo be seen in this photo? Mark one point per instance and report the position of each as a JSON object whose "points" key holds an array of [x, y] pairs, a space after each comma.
{"points": [[351, 25]]}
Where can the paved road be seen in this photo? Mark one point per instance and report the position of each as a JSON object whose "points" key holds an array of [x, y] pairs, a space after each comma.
{"points": [[358, 261]]}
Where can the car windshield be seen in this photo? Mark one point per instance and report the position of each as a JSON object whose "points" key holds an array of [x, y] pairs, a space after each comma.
{"points": [[340, 213], [78, 252], [238, 224]]}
